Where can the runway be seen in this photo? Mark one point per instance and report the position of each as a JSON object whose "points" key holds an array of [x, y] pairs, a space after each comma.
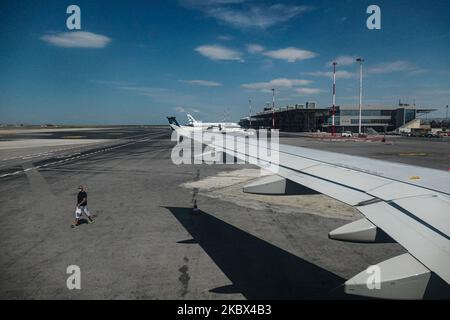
{"points": [[146, 243]]}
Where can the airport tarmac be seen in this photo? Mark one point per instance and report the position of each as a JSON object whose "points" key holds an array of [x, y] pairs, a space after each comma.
{"points": [[423, 152], [147, 244]]}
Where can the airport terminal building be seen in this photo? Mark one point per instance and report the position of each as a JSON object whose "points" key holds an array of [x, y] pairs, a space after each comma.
{"points": [[308, 117]]}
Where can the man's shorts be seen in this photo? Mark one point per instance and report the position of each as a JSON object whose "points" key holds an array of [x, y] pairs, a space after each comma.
{"points": [[80, 210]]}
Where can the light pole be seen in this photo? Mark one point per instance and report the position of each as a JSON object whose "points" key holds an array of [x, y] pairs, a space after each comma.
{"points": [[360, 60], [250, 112], [273, 108], [333, 128], [446, 116]]}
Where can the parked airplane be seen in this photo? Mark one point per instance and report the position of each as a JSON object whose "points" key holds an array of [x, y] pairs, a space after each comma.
{"points": [[406, 204], [220, 125], [225, 127]]}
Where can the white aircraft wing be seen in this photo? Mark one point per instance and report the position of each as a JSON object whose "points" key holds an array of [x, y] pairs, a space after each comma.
{"points": [[408, 204]]}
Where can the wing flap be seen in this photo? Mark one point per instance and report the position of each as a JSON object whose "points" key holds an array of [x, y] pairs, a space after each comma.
{"points": [[397, 190], [351, 178], [433, 210]]}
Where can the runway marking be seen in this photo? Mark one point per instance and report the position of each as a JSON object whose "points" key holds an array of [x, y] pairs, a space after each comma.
{"points": [[412, 154], [35, 155], [134, 141], [63, 149], [73, 137]]}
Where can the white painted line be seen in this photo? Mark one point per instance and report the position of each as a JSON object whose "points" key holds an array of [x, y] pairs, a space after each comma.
{"points": [[11, 174]]}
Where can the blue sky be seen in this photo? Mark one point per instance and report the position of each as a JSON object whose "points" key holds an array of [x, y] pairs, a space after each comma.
{"points": [[134, 62]]}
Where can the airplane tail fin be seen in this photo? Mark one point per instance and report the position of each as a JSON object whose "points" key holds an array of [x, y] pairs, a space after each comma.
{"points": [[173, 123], [191, 119]]}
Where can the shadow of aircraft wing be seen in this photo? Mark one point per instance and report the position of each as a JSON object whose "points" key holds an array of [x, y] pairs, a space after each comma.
{"points": [[256, 268]]}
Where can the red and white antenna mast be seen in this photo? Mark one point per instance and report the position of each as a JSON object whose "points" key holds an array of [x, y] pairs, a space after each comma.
{"points": [[333, 110]]}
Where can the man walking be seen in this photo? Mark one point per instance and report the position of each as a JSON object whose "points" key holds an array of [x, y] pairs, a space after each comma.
{"points": [[81, 207]]}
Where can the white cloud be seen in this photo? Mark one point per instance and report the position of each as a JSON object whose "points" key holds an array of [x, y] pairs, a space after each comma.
{"points": [[343, 60], [217, 52], [112, 83], [254, 48], [197, 3], [225, 38], [284, 82], [387, 67], [435, 92], [241, 14], [204, 83], [77, 39], [342, 74], [418, 71], [187, 109], [290, 54], [275, 83], [163, 95], [308, 91], [147, 91]]}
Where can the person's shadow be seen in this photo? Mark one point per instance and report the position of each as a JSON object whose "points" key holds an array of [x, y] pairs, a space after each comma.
{"points": [[256, 268], [82, 221]]}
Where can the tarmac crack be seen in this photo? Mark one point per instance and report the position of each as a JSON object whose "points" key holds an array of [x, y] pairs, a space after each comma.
{"points": [[184, 277]]}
